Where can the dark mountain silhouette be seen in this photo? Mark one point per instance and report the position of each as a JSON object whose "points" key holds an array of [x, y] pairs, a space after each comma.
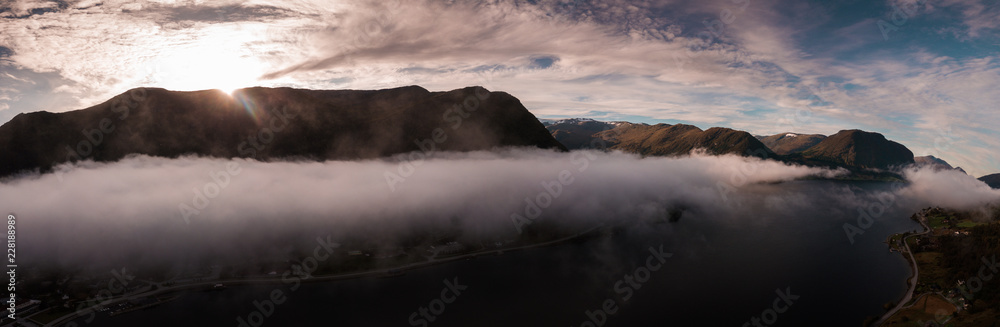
{"points": [[788, 143], [271, 123], [991, 180], [936, 163], [932, 161], [669, 140], [655, 140], [859, 149]]}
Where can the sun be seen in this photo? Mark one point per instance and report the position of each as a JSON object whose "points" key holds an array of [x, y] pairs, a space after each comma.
{"points": [[215, 61], [202, 70], [229, 90]]}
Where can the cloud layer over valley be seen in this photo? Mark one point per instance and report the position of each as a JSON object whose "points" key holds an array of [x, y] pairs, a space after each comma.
{"points": [[148, 210]]}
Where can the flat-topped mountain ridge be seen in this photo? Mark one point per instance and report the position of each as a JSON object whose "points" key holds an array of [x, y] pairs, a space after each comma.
{"points": [[271, 124]]}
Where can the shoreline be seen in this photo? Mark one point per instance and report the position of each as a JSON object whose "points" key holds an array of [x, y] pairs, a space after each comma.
{"points": [[945, 253], [914, 268], [384, 272]]}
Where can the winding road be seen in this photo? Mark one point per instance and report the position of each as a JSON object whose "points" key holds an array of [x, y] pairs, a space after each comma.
{"points": [[913, 280]]}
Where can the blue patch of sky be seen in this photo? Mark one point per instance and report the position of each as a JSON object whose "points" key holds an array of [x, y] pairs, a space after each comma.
{"points": [[904, 118], [424, 70], [853, 87], [226, 13], [486, 68], [934, 32], [60, 5], [341, 80], [34, 91], [614, 116], [618, 78], [543, 62]]}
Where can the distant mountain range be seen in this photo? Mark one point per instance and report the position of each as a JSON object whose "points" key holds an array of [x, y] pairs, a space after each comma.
{"points": [[286, 123], [654, 140], [271, 123], [851, 148], [858, 151]]}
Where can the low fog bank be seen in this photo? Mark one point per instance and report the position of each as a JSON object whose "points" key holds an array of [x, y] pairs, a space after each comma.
{"points": [[148, 211], [951, 189], [948, 188]]}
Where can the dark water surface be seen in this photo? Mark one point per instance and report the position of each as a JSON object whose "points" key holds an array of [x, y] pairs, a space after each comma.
{"points": [[724, 270]]}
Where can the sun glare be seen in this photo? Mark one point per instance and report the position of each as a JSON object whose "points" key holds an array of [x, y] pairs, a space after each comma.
{"points": [[216, 61]]}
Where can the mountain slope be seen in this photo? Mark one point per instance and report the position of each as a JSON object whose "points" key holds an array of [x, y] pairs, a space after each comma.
{"points": [[655, 140], [860, 149], [932, 161], [856, 150], [788, 143], [991, 180], [577, 133], [936, 163], [271, 123]]}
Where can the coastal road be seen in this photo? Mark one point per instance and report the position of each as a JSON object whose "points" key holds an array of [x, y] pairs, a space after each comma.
{"points": [[161, 289], [913, 281]]}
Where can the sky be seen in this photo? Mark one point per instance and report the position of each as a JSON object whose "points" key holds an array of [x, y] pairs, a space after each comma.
{"points": [[922, 72]]}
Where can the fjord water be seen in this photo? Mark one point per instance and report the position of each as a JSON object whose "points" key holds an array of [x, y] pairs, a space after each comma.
{"points": [[724, 270]]}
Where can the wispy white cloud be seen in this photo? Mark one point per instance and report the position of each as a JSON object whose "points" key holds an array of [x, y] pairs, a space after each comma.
{"points": [[636, 60], [261, 204], [979, 17], [25, 7]]}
